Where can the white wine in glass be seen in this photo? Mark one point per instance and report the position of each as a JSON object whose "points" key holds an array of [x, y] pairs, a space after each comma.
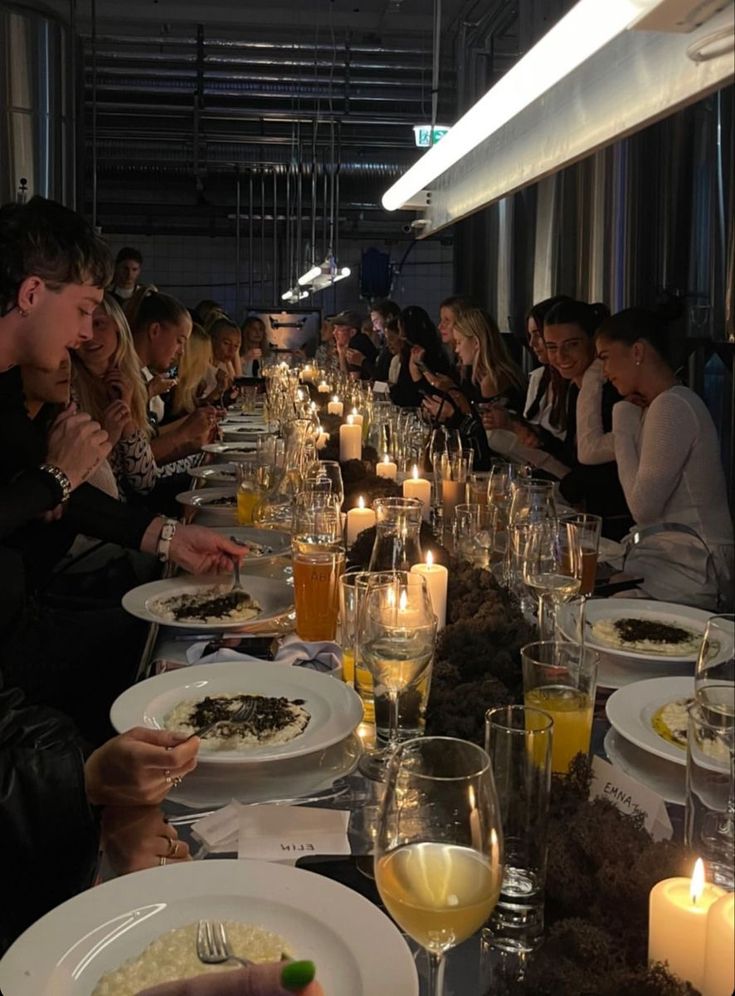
{"points": [[438, 852]]}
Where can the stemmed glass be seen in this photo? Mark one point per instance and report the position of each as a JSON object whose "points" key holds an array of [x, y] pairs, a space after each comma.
{"points": [[438, 852], [552, 567], [326, 475], [395, 637]]}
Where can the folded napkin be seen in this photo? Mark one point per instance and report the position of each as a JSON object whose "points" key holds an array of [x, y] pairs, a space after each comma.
{"points": [[324, 656]]}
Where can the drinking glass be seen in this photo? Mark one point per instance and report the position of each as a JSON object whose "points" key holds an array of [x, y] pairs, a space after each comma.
{"points": [[318, 564], [588, 528], [454, 471], [519, 741], [709, 827], [326, 475], [347, 628], [396, 633], [317, 513], [249, 491], [397, 544], [560, 678], [532, 500], [477, 487], [438, 851], [714, 677], [552, 567], [474, 533], [361, 581]]}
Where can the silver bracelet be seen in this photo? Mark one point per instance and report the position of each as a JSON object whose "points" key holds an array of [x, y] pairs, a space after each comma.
{"points": [[164, 540], [61, 479]]}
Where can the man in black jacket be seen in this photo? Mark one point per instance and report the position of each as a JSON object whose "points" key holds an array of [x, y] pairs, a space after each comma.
{"points": [[355, 350]]}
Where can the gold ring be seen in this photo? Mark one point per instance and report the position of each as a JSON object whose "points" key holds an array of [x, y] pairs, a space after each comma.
{"points": [[173, 846], [176, 782], [161, 861]]}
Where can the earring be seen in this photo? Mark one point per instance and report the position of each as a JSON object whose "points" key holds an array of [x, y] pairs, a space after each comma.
{"points": [[22, 312], [637, 363]]}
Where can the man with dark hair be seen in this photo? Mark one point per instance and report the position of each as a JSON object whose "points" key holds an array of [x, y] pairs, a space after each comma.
{"points": [[128, 267], [380, 311], [355, 350]]}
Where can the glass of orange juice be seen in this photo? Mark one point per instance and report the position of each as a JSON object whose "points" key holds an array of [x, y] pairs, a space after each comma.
{"points": [[249, 491], [561, 679]]}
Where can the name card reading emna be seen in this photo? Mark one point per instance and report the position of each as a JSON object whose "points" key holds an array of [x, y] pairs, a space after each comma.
{"points": [[281, 833], [609, 782]]}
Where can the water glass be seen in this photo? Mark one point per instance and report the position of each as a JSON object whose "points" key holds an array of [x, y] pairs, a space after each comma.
{"points": [[454, 471], [560, 678], [519, 740], [318, 565], [714, 677], [709, 828], [438, 851], [588, 528], [249, 397], [317, 513], [326, 475], [249, 491], [347, 629], [396, 633], [474, 533]]}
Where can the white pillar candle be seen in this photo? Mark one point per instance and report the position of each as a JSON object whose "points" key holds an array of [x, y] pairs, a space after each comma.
{"points": [[356, 416], [386, 468], [358, 518], [308, 374], [324, 388], [419, 487], [350, 440], [719, 948], [335, 407], [322, 439], [677, 923], [437, 580]]}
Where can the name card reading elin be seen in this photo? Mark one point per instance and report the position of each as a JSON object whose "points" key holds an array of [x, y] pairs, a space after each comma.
{"points": [[282, 833], [609, 782]]}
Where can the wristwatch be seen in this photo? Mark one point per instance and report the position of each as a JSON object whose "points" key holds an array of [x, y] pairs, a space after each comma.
{"points": [[164, 540], [61, 479]]}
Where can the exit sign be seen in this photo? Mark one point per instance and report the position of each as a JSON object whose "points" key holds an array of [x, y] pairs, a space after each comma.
{"points": [[422, 135]]}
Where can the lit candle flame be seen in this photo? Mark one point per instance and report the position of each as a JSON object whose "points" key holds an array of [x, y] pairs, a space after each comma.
{"points": [[697, 885], [350, 420], [354, 411], [429, 559], [361, 502], [386, 458], [415, 472], [403, 601], [335, 398]]}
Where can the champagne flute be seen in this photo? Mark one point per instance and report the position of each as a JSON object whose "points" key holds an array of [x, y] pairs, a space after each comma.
{"points": [[552, 566], [438, 851], [396, 633], [714, 676]]}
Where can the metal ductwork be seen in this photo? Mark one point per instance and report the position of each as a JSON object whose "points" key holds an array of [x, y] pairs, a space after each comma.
{"points": [[37, 125]]}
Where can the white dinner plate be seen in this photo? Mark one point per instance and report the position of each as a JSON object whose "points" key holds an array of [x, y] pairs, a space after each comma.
{"points": [[663, 777], [264, 542], [599, 609], [209, 786], [230, 450], [335, 708], [209, 505], [215, 473], [247, 431], [615, 671], [629, 711], [274, 596], [357, 949]]}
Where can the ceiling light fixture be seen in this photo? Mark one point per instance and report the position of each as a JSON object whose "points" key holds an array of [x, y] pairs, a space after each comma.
{"points": [[294, 294], [587, 28]]}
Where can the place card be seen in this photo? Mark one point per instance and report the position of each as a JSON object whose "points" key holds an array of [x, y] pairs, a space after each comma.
{"points": [[278, 833], [609, 782]]}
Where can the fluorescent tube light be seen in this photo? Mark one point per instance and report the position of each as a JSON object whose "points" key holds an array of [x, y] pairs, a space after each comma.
{"points": [[587, 28], [312, 274]]}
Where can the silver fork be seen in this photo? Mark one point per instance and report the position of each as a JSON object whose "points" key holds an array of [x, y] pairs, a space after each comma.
{"points": [[241, 715], [212, 945]]}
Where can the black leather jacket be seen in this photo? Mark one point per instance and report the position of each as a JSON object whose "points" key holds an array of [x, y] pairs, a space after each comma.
{"points": [[49, 834]]}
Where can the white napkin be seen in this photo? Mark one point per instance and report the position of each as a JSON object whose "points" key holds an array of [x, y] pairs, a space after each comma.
{"points": [[292, 651]]}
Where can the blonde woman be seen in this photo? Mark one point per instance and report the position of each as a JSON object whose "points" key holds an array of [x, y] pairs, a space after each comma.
{"points": [[198, 381], [108, 385], [254, 345], [493, 374]]}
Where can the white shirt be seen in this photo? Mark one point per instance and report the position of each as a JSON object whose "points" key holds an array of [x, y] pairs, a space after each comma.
{"points": [[543, 415], [155, 405]]}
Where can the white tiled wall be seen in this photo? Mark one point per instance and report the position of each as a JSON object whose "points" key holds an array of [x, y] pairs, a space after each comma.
{"points": [[192, 268]]}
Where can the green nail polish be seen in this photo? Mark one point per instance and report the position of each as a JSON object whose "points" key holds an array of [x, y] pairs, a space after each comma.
{"points": [[298, 974]]}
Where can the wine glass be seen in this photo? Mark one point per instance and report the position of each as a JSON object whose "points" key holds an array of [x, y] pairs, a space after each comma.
{"points": [[714, 676], [396, 633], [326, 475], [438, 850], [552, 567]]}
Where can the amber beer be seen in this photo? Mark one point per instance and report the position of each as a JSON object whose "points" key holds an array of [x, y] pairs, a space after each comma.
{"points": [[317, 568]]}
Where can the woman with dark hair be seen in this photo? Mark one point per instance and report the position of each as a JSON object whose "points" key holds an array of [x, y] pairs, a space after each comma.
{"points": [[569, 329], [420, 342], [668, 456]]}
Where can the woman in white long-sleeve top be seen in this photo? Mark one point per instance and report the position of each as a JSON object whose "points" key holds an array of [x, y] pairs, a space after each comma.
{"points": [[668, 458]]}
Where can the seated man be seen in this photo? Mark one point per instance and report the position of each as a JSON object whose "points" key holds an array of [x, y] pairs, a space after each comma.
{"points": [[355, 350]]}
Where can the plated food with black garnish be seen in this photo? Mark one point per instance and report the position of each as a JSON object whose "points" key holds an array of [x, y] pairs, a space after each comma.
{"points": [[297, 711], [210, 602], [645, 629]]}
